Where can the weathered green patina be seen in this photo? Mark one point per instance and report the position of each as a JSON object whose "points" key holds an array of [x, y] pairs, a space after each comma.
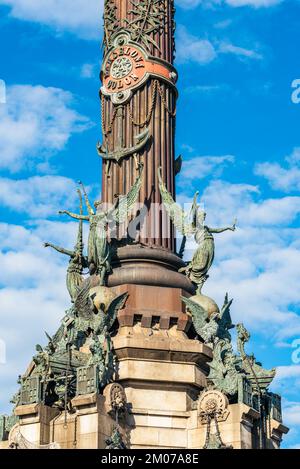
{"points": [[116, 440], [210, 327], [193, 224], [236, 375], [53, 377], [99, 249], [259, 377], [78, 262]]}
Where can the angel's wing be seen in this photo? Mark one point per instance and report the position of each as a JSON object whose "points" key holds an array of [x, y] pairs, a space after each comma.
{"points": [[176, 213], [199, 314], [178, 164], [58, 335], [48, 336], [125, 203], [83, 302], [114, 308], [226, 321]]}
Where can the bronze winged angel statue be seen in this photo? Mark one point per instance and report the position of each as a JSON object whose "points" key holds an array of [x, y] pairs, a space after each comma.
{"points": [[210, 328], [193, 225], [99, 250], [78, 261], [96, 319]]}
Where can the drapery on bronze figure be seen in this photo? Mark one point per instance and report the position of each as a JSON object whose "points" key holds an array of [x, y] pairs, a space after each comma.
{"points": [[78, 262], [197, 269], [99, 249]]}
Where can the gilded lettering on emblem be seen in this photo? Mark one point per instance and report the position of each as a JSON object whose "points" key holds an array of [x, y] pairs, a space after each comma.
{"points": [[124, 67]]}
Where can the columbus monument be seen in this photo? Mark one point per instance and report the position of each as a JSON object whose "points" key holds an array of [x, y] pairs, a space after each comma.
{"points": [[142, 358]]}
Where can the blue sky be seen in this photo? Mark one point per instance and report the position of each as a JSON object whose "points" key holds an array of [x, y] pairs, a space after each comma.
{"points": [[237, 129]]}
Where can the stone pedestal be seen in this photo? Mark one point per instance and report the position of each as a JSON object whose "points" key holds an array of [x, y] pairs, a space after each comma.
{"points": [[36, 421], [163, 373], [153, 307], [93, 424]]}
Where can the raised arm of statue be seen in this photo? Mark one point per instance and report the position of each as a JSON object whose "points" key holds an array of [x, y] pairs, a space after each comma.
{"points": [[87, 202], [59, 249], [221, 230], [74, 215]]}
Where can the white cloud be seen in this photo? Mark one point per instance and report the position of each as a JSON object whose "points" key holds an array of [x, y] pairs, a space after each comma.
{"points": [[294, 157], [57, 231], [84, 18], [187, 148], [194, 49], [190, 4], [38, 196], [202, 166], [272, 211], [279, 177], [191, 48], [35, 123], [88, 70], [207, 90], [223, 24], [240, 200], [227, 48], [81, 17], [253, 3], [291, 412], [285, 372], [24, 259], [33, 295]]}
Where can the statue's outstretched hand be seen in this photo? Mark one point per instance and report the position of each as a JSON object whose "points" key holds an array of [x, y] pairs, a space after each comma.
{"points": [[234, 224], [46, 245]]}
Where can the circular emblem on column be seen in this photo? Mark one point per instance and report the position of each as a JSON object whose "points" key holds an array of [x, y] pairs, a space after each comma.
{"points": [[121, 67], [124, 67], [212, 403], [127, 66]]}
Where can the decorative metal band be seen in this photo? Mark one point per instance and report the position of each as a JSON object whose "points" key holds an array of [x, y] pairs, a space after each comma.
{"points": [[127, 67]]}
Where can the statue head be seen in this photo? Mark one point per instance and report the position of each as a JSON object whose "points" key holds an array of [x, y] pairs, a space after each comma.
{"points": [[201, 216], [98, 205]]}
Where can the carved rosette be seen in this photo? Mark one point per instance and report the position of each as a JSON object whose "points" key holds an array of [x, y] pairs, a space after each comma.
{"points": [[116, 401], [212, 404]]}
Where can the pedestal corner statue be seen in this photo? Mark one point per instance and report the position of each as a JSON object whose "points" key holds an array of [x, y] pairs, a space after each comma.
{"points": [[142, 358]]}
